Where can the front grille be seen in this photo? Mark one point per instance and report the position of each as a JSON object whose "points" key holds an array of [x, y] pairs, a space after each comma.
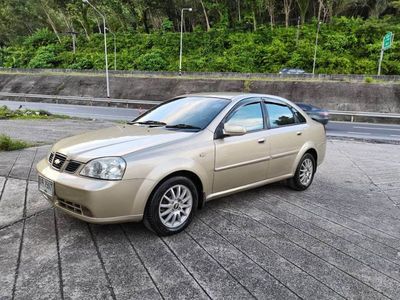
{"points": [[58, 161], [72, 166], [71, 206], [51, 157]]}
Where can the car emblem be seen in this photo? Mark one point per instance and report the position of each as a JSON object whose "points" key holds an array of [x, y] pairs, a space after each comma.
{"points": [[57, 161]]}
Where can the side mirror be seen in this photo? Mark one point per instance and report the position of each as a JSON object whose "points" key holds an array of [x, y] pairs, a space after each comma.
{"points": [[234, 130]]}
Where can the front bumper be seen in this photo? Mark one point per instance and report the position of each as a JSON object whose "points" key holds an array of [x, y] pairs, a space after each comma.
{"points": [[94, 200]]}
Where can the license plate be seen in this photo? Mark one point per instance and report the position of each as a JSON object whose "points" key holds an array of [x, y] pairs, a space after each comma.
{"points": [[46, 186]]}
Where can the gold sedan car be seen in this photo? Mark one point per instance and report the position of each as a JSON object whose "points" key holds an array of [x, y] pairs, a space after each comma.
{"points": [[168, 162]]}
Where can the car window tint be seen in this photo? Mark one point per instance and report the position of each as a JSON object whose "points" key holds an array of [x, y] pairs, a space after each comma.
{"points": [[279, 115], [299, 116], [249, 116]]}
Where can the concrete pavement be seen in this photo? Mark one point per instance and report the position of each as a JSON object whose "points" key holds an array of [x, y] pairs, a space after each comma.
{"points": [[339, 239]]}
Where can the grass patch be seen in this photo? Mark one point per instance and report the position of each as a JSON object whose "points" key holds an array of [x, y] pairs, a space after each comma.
{"points": [[28, 114], [369, 80], [9, 144]]}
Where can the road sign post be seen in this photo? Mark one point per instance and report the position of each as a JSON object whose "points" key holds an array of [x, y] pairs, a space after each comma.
{"points": [[386, 44]]}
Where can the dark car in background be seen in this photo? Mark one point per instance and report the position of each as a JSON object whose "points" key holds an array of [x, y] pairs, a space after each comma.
{"points": [[294, 71], [318, 114]]}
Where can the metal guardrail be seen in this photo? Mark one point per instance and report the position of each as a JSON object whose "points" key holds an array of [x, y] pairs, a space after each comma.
{"points": [[127, 102], [90, 100], [353, 114]]}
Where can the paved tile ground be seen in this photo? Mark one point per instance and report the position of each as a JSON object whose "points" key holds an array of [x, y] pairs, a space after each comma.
{"points": [[338, 239]]}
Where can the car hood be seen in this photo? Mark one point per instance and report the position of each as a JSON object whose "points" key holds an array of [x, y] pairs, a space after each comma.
{"points": [[116, 141]]}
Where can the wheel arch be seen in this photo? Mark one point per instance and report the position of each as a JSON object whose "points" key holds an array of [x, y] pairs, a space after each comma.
{"points": [[307, 148], [314, 153], [184, 173]]}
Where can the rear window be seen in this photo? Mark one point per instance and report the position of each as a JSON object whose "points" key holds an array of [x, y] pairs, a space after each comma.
{"points": [[300, 118], [279, 115]]}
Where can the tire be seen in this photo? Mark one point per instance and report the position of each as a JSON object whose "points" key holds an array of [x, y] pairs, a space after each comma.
{"points": [[171, 206], [298, 182]]}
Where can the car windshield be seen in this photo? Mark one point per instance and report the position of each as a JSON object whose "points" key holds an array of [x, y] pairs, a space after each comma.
{"points": [[188, 113]]}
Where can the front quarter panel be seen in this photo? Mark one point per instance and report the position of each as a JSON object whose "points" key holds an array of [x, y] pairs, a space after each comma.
{"points": [[195, 155]]}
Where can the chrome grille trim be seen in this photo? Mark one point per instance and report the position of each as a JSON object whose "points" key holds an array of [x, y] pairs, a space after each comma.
{"points": [[51, 156], [58, 161]]}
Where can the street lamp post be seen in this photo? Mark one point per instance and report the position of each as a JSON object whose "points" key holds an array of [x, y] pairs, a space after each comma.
{"points": [[181, 42], [298, 30], [105, 45], [115, 49], [315, 50]]}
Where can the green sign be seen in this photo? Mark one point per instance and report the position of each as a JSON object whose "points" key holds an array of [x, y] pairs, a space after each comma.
{"points": [[387, 41]]}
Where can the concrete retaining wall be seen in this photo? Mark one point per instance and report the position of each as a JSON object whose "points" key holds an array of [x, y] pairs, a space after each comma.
{"points": [[352, 96]]}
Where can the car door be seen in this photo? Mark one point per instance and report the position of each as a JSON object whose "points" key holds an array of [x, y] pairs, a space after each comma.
{"points": [[285, 135], [242, 160]]}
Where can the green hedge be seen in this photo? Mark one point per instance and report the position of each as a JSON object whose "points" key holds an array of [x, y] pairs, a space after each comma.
{"points": [[346, 46]]}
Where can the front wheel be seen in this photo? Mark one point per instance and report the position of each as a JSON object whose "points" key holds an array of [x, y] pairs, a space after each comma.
{"points": [[172, 206], [304, 174]]}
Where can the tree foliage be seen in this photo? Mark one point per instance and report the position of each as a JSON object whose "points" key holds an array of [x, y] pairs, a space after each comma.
{"points": [[220, 35]]}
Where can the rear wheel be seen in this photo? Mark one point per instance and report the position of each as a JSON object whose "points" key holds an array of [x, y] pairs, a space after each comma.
{"points": [[172, 206], [304, 174]]}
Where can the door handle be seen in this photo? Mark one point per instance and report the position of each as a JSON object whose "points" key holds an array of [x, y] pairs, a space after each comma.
{"points": [[261, 141], [299, 133]]}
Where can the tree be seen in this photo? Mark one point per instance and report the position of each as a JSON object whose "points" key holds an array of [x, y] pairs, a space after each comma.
{"points": [[270, 6], [287, 8], [303, 8], [205, 15]]}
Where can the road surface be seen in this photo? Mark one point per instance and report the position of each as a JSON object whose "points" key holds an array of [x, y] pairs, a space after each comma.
{"points": [[81, 111], [364, 130], [382, 132]]}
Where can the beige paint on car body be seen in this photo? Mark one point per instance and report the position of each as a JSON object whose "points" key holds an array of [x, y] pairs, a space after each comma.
{"points": [[222, 166]]}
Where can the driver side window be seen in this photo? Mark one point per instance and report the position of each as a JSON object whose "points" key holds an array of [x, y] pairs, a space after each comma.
{"points": [[249, 116]]}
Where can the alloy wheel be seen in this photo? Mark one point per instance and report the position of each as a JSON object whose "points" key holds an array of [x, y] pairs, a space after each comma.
{"points": [[306, 172], [175, 206]]}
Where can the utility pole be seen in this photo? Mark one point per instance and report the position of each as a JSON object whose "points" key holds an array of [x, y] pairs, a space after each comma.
{"points": [[115, 48], [105, 44], [181, 41], [298, 30], [315, 49]]}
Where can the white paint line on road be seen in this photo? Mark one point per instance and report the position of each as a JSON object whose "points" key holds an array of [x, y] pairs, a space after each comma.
{"points": [[352, 132], [361, 127]]}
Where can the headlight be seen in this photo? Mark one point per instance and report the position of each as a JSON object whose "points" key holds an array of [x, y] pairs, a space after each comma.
{"points": [[111, 168]]}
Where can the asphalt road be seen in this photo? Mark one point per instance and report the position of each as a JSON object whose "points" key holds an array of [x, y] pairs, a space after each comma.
{"points": [[367, 131], [364, 130], [81, 111]]}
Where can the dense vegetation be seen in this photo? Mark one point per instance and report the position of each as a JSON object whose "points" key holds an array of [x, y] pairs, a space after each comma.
{"points": [[220, 35]]}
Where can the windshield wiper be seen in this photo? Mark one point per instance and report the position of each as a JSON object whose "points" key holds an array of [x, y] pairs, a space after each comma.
{"points": [[182, 126], [149, 122]]}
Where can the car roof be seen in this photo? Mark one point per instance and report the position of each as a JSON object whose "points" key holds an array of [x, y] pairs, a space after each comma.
{"points": [[236, 96]]}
